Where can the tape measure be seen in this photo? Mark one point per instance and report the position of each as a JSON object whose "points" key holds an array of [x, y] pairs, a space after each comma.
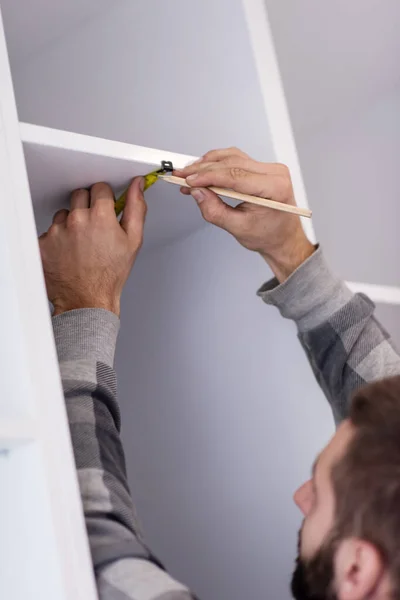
{"points": [[149, 180]]}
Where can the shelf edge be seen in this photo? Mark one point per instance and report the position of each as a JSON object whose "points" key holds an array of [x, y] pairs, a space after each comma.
{"points": [[273, 92], [77, 142], [384, 294]]}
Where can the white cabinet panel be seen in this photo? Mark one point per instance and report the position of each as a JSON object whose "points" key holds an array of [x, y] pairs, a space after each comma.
{"points": [[30, 566], [43, 545], [16, 432], [59, 162], [177, 75]]}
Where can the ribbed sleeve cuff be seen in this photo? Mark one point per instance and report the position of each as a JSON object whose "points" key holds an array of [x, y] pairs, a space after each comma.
{"points": [[86, 333], [310, 296]]}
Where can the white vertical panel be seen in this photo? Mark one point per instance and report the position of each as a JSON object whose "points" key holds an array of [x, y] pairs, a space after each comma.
{"points": [[48, 474], [274, 98], [30, 564]]}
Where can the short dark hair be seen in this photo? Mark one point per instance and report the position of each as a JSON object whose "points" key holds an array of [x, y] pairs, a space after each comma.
{"points": [[366, 480]]}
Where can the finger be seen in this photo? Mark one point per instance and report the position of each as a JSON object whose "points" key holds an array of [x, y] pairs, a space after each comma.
{"points": [[196, 167], [234, 162], [185, 191], [210, 157], [274, 187], [135, 210], [218, 155], [255, 166], [80, 199], [215, 211], [42, 243], [60, 216], [102, 198]]}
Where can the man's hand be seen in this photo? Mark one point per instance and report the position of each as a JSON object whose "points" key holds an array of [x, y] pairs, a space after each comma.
{"points": [[277, 236], [87, 254]]}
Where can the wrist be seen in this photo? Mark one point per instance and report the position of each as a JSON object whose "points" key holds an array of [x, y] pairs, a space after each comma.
{"points": [[60, 307], [288, 258]]}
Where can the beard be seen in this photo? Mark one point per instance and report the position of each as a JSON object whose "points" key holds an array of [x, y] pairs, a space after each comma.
{"points": [[313, 579]]}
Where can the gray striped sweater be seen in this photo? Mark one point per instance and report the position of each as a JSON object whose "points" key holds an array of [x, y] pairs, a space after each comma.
{"points": [[346, 348]]}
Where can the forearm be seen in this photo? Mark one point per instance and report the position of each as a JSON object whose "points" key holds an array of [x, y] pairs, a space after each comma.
{"points": [[123, 565], [347, 347]]}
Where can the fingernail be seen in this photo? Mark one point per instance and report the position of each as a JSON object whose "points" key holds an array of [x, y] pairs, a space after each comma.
{"points": [[192, 178], [198, 195], [141, 184]]}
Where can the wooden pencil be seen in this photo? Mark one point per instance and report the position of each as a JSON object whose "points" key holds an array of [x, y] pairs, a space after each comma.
{"points": [[295, 210]]}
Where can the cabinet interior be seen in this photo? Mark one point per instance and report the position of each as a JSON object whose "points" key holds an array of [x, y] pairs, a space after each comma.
{"points": [[170, 76]]}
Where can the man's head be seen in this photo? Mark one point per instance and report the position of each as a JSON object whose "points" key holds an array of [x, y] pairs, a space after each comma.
{"points": [[349, 544]]}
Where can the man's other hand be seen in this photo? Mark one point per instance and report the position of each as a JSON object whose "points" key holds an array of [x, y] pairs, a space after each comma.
{"points": [[277, 236], [87, 254]]}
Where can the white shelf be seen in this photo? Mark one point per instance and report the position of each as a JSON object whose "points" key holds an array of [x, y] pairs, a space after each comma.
{"points": [[27, 521], [384, 294], [59, 162], [85, 144]]}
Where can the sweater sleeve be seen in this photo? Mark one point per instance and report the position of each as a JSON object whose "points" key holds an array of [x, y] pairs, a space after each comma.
{"points": [[125, 568], [346, 346]]}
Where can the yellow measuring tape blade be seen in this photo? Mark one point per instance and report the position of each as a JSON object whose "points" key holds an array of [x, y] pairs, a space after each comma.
{"points": [[149, 180]]}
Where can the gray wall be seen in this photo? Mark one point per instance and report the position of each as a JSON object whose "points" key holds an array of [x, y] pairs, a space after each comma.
{"points": [[339, 65], [221, 417], [350, 167], [389, 316]]}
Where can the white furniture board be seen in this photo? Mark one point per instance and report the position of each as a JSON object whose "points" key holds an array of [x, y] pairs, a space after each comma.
{"points": [[46, 485], [59, 162], [15, 432], [275, 104], [159, 74], [29, 557]]}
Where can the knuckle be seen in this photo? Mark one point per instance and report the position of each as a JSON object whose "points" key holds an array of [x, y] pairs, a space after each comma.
{"points": [[283, 169], [75, 219], [231, 161], [209, 153], [286, 187], [137, 242], [238, 152], [101, 212], [53, 230], [210, 214], [237, 173]]}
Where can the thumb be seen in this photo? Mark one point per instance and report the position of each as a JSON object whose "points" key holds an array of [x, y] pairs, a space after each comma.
{"points": [[214, 210], [135, 210]]}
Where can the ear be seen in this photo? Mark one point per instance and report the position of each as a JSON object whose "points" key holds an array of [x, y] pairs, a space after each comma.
{"points": [[359, 569]]}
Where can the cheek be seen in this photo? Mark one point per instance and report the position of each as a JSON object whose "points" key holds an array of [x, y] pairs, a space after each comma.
{"points": [[316, 528]]}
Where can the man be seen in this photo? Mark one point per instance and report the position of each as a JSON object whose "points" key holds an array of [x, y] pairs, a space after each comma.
{"points": [[349, 543]]}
